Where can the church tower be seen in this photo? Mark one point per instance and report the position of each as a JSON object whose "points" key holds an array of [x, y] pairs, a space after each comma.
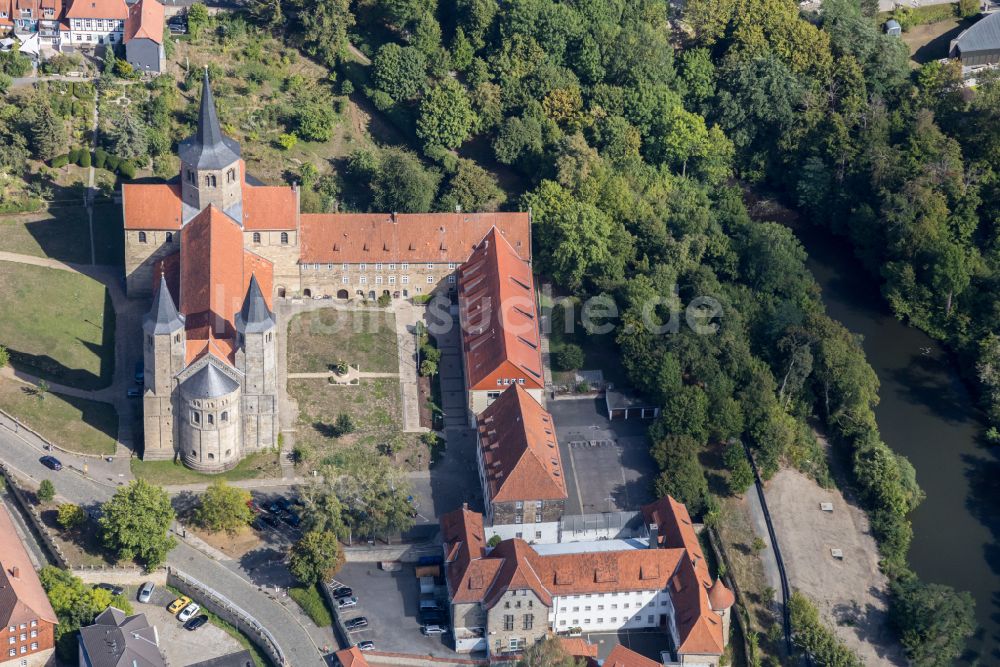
{"points": [[210, 164], [163, 358], [257, 360]]}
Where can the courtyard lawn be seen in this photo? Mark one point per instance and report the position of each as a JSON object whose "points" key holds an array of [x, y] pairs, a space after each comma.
{"points": [[57, 325], [75, 424], [374, 406], [256, 466], [366, 339]]}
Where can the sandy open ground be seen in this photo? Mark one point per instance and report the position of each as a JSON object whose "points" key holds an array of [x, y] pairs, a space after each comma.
{"points": [[851, 593]]}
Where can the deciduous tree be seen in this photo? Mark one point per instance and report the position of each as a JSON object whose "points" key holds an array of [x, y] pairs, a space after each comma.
{"points": [[224, 507], [135, 522], [316, 557]]}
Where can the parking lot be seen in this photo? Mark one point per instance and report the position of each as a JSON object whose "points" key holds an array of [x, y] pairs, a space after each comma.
{"points": [[389, 600], [608, 466], [180, 646]]}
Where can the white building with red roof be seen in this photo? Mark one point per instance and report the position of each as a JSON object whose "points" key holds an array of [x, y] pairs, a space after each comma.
{"points": [[506, 598], [93, 22]]}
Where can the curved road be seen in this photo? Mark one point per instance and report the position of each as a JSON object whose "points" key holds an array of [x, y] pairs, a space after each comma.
{"points": [[296, 643]]}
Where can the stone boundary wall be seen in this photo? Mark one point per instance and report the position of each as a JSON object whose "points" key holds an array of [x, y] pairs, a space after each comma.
{"points": [[404, 553], [407, 660], [339, 630], [741, 614], [230, 612], [32, 436], [35, 521]]}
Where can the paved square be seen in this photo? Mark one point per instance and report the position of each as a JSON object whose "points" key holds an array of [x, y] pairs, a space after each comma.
{"points": [[608, 466]]}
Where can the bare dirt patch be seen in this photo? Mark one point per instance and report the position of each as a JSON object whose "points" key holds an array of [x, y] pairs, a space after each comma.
{"points": [[931, 41], [235, 546], [850, 593]]}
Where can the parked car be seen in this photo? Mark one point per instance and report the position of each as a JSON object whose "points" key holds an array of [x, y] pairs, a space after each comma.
{"points": [[146, 592], [133, 393], [342, 592], [280, 504], [429, 630], [50, 462], [344, 603], [177, 25], [367, 645], [111, 588], [188, 612], [196, 622], [292, 519], [429, 604], [356, 623], [178, 604], [270, 520], [433, 617]]}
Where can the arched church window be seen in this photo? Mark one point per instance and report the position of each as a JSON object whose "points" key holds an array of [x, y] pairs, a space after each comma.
{"points": [[211, 456], [231, 176], [170, 237], [142, 237], [195, 417], [256, 237], [284, 238], [211, 419], [224, 417]]}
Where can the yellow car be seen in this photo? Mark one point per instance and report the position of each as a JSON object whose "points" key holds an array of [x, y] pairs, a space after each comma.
{"points": [[179, 604]]}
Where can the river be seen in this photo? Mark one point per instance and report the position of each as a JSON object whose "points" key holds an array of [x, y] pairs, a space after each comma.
{"points": [[927, 414]]}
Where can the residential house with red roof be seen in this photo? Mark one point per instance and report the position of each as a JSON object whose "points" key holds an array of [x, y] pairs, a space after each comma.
{"points": [[498, 314], [92, 22], [144, 37], [27, 620], [506, 598], [520, 469]]}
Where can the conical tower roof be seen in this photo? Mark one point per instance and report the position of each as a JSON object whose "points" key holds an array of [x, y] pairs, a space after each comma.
{"points": [[209, 148], [255, 316], [720, 597], [163, 317]]}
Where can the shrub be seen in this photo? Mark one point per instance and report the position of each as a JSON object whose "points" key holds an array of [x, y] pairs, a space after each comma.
{"points": [[60, 161], [112, 162], [100, 158], [344, 424], [493, 542], [84, 158], [46, 491], [73, 157], [570, 357], [384, 300], [346, 87], [71, 516], [126, 169], [287, 141]]}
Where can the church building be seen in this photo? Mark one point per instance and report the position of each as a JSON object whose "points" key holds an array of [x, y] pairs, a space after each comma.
{"points": [[214, 247]]}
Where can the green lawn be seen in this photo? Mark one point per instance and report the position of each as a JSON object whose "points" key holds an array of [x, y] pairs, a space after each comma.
{"points": [[259, 465], [72, 423], [374, 406], [63, 233], [57, 325], [320, 339]]}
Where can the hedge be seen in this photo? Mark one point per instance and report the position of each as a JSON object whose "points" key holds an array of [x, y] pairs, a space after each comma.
{"points": [[60, 161], [84, 160], [126, 169], [100, 158], [73, 156], [111, 162], [311, 601]]}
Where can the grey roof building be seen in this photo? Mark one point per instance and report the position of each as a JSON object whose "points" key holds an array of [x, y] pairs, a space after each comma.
{"points": [[979, 44], [241, 659], [209, 382], [117, 640]]}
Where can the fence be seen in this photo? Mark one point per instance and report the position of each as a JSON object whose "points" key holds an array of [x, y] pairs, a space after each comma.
{"points": [[229, 611], [34, 438], [41, 530]]}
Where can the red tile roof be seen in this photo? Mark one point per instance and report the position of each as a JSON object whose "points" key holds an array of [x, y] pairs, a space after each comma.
{"points": [[624, 657], [98, 9], [499, 318], [675, 530], [215, 274], [474, 576], [406, 237], [519, 450], [269, 207], [22, 597], [720, 597], [145, 21], [152, 205], [351, 657], [578, 647]]}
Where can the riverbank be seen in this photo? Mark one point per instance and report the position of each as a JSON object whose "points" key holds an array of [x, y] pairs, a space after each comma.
{"points": [[927, 414]]}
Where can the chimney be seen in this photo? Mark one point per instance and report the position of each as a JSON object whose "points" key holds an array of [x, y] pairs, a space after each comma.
{"points": [[654, 536], [458, 208], [394, 216], [15, 572]]}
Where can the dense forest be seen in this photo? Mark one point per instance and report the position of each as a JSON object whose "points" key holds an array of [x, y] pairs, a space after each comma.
{"points": [[628, 132]]}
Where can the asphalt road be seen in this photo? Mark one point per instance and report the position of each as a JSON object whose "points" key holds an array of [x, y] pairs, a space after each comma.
{"points": [[292, 637]]}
